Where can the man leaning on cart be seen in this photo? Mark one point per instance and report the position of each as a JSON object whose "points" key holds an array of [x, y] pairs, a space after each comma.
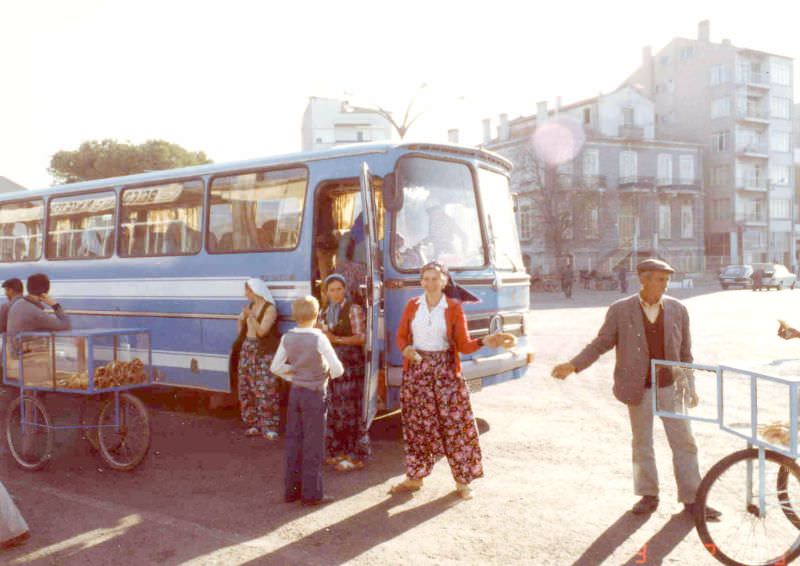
{"points": [[644, 327], [29, 315]]}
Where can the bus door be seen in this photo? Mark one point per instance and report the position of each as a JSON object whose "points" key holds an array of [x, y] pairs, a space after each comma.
{"points": [[372, 302]]}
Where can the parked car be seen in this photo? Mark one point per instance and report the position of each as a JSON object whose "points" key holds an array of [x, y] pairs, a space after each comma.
{"points": [[736, 276], [776, 276]]}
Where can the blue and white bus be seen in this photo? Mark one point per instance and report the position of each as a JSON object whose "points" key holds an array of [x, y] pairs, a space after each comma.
{"points": [[169, 251]]}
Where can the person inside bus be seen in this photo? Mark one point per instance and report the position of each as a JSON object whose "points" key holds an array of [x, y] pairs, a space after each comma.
{"points": [[436, 411], [259, 389], [29, 315], [351, 259], [14, 291], [444, 233], [342, 322]]}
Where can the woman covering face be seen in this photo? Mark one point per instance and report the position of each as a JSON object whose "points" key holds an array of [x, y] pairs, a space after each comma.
{"points": [[343, 322]]}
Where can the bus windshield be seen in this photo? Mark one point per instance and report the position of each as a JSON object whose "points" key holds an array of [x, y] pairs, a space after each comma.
{"points": [[439, 217], [500, 224]]}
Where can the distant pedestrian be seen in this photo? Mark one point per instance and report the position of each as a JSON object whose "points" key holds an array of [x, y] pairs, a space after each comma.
{"points": [[758, 277], [306, 358], [13, 528], [644, 327], [14, 291], [567, 277], [622, 274]]}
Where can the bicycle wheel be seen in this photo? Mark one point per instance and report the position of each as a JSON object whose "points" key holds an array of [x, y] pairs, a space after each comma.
{"points": [[783, 495], [30, 441], [124, 443], [744, 536]]}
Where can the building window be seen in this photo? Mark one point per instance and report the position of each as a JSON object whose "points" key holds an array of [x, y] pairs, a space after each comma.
{"points": [[721, 209], [21, 226], [779, 174], [568, 219], [721, 107], [686, 53], [754, 210], [587, 116], [686, 169], [664, 60], [591, 162], [81, 226], [780, 141], [720, 74], [627, 116], [525, 222], [780, 208], [720, 141], [627, 164], [720, 176], [664, 221], [593, 223], [687, 221], [664, 168], [780, 73], [780, 107]]}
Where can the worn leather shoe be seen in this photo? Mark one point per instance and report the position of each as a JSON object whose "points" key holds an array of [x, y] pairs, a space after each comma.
{"points": [[711, 514], [324, 500], [645, 505]]}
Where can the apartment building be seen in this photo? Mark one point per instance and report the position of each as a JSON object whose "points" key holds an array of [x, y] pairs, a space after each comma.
{"points": [[737, 103], [328, 122]]}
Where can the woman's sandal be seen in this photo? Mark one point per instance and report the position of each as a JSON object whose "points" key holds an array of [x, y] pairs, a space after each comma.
{"points": [[333, 460], [347, 465], [405, 486], [464, 491]]}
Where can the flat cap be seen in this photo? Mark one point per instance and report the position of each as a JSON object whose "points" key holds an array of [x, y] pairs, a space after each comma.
{"points": [[654, 264]]}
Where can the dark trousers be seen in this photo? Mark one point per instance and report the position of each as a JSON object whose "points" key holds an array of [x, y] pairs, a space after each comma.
{"points": [[305, 443]]}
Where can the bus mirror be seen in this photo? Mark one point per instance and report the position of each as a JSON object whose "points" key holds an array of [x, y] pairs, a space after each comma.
{"points": [[392, 194]]}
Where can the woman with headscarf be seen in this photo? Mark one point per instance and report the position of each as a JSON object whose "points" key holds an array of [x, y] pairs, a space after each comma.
{"points": [[342, 321], [436, 412], [259, 392]]}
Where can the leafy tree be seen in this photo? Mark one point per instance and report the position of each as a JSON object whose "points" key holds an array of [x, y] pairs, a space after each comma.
{"points": [[109, 158]]}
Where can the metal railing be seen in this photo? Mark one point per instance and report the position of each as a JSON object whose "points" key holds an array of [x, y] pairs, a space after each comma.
{"points": [[752, 147], [636, 181], [752, 183], [751, 77]]}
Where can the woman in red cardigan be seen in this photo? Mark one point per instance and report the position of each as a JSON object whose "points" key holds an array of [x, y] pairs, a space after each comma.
{"points": [[436, 412]]}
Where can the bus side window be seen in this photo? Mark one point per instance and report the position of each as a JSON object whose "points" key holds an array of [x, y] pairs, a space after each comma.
{"points": [[21, 224], [80, 225]]}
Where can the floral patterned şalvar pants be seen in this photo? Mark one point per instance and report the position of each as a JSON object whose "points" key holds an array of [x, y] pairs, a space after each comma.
{"points": [[259, 396], [345, 434], [438, 419]]}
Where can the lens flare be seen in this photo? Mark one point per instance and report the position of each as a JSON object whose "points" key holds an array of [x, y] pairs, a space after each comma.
{"points": [[558, 140]]}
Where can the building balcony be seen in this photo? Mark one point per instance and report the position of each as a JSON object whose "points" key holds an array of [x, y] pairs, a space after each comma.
{"points": [[630, 131], [635, 183], [758, 150], [754, 115], [583, 182], [671, 185], [752, 79], [752, 183], [751, 219]]}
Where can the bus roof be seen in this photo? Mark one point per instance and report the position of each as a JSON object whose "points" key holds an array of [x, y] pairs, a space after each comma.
{"points": [[296, 158]]}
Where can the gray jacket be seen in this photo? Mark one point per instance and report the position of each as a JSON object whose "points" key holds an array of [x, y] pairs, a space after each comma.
{"points": [[25, 316], [624, 329]]}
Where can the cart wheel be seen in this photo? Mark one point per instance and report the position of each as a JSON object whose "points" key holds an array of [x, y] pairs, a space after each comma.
{"points": [[31, 441], [124, 443], [768, 538], [89, 416], [787, 506]]}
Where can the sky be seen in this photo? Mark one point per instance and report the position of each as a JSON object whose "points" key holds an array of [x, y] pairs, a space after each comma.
{"points": [[232, 78]]}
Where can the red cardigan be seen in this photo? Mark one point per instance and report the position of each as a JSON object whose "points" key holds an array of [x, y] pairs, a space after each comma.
{"points": [[457, 332]]}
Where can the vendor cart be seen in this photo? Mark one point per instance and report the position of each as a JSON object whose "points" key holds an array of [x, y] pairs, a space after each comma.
{"points": [[104, 367]]}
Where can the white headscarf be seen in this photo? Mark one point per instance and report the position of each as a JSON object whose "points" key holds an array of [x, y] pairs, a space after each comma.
{"points": [[260, 288]]}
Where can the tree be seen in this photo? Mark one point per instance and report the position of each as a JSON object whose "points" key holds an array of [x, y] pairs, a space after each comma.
{"points": [[109, 158]]}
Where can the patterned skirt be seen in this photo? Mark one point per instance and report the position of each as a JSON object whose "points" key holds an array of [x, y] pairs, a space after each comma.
{"points": [[345, 434], [438, 420], [259, 392]]}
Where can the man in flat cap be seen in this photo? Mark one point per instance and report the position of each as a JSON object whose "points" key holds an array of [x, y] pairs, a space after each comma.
{"points": [[14, 291], [644, 327]]}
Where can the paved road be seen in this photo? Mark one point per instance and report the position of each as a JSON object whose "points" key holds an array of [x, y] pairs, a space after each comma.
{"points": [[557, 460]]}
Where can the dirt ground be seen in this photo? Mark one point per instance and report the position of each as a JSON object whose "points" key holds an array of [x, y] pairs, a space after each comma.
{"points": [[556, 454]]}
